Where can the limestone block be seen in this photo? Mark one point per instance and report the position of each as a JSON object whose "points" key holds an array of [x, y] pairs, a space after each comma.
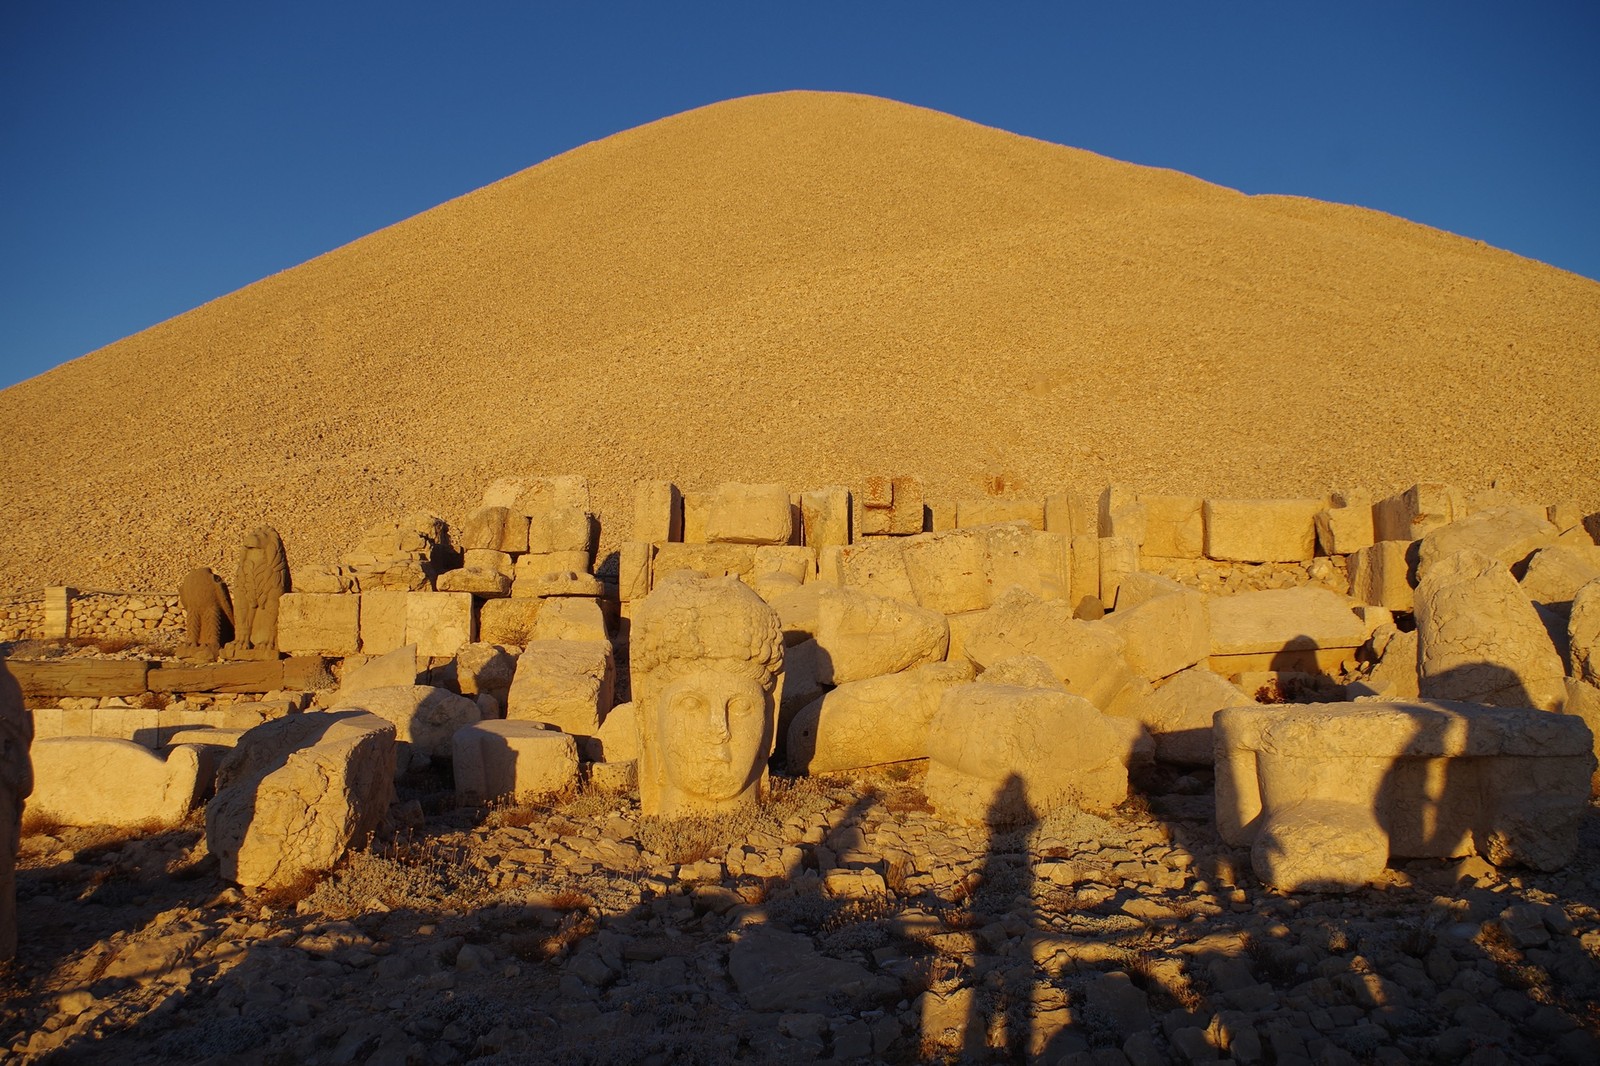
{"points": [[1119, 557], [712, 560], [1305, 628], [1507, 534], [750, 514], [941, 516], [568, 618], [657, 511], [1006, 755], [1016, 555], [296, 793], [312, 623], [1555, 574], [567, 684], [634, 561], [618, 738], [797, 612], [439, 622], [1085, 583], [948, 572], [1262, 531], [322, 577], [1122, 514], [990, 511], [860, 635], [486, 559], [485, 668], [83, 781], [1087, 657], [1417, 511], [885, 506], [57, 612], [532, 496], [505, 760], [1174, 527], [825, 516], [563, 530], [498, 529], [1395, 671], [485, 584], [533, 574], [1385, 574], [383, 621], [792, 560], [578, 583], [509, 621], [1178, 713], [1344, 530], [706, 665], [696, 513], [1325, 791], [1583, 633], [877, 720], [1480, 638], [877, 566], [1164, 626], [424, 716]]}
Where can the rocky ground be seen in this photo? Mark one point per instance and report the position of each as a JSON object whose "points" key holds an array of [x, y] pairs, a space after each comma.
{"points": [[842, 921]]}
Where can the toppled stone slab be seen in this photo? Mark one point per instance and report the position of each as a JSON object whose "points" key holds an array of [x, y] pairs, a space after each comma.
{"points": [[1178, 714], [1163, 625], [1309, 629], [1555, 574], [567, 684], [1325, 794], [872, 721], [1507, 534], [106, 781], [860, 635], [1007, 755], [424, 717], [297, 792]]}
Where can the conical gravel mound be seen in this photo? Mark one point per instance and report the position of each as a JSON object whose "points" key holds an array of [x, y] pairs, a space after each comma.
{"points": [[807, 288]]}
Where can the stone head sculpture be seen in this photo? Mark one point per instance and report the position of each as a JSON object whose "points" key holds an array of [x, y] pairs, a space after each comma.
{"points": [[706, 656]]}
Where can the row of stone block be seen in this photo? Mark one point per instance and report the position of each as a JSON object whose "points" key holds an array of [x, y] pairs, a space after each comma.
{"points": [[149, 727], [373, 623]]}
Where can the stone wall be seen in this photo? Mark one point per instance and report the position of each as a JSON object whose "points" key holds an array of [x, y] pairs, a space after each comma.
{"points": [[22, 618], [144, 617]]}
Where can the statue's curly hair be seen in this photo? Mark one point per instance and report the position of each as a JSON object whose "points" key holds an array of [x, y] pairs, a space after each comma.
{"points": [[692, 622]]}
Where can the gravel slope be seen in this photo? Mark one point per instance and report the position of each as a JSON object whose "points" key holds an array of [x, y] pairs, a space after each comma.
{"points": [[806, 287]]}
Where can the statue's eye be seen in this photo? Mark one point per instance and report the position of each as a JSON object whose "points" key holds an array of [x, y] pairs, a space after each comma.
{"points": [[741, 705], [691, 703]]}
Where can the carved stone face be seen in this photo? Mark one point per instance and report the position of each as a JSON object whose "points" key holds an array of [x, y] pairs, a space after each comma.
{"points": [[714, 733]]}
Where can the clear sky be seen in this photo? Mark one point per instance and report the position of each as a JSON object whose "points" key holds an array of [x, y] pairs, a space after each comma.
{"points": [[156, 155]]}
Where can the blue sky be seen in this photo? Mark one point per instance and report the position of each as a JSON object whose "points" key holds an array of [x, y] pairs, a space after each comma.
{"points": [[156, 155]]}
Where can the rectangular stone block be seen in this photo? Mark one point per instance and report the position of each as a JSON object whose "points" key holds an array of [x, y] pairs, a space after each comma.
{"points": [[888, 507], [57, 613], [876, 566], [792, 559], [1175, 527], [907, 515], [1384, 574], [941, 515], [512, 621], [657, 511], [48, 722], [1163, 624], [1121, 514], [496, 562], [1262, 531], [78, 677], [498, 529], [825, 516], [383, 621], [1085, 568], [1119, 557], [249, 676], [713, 560], [317, 623], [1418, 510], [634, 560], [987, 511], [1344, 530], [696, 513], [750, 514], [564, 530], [137, 724], [439, 622], [948, 572], [531, 495]]}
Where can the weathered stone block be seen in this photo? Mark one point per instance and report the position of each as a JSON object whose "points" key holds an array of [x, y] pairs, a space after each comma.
{"points": [[1119, 557], [1345, 530], [317, 624], [860, 635], [509, 621], [1327, 793], [657, 512], [563, 530], [1178, 713], [634, 561], [618, 738], [569, 618], [876, 566], [989, 511], [825, 516], [712, 560], [750, 514], [1085, 656], [1507, 534], [296, 793], [1164, 626], [101, 780], [398, 667], [439, 622], [1262, 531], [1309, 629], [1174, 527], [498, 529], [1422, 508], [1006, 755], [567, 684], [424, 716], [948, 572], [1480, 638], [506, 760], [877, 720], [485, 584], [1385, 574], [383, 621], [1555, 574]]}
